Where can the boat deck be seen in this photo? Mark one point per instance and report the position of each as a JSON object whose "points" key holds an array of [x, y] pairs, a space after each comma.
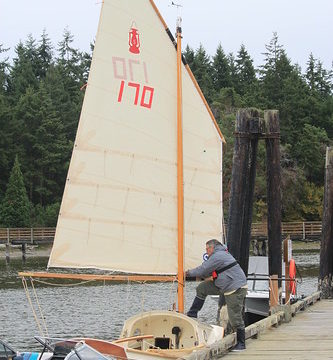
{"points": [[308, 336]]}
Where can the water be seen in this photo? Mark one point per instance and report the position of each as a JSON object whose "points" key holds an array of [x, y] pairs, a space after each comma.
{"points": [[96, 309]]}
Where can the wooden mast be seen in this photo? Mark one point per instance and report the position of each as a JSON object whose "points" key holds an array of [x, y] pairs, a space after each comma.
{"points": [[180, 181]]}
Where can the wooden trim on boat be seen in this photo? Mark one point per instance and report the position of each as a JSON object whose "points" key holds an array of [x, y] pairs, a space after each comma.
{"points": [[97, 277], [167, 353], [133, 338]]}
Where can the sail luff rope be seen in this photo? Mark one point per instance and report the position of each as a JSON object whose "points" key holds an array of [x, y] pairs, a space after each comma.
{"points": [[39, 307], [26, 289]]}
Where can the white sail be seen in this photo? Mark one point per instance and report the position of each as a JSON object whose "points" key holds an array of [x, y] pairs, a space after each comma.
{"points": [[202, 175], [119, 209]]}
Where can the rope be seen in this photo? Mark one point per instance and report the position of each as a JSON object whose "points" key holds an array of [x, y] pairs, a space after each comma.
{"points": [[170, 294], [39, 307], [143, 298], [63, 285], [25, 286]]}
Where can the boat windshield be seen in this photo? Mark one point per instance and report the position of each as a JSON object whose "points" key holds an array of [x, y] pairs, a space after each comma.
{"points": [[56, 345], [82, 351]]}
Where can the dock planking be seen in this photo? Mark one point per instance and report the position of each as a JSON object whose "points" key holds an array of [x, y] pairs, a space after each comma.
{"points": [[308, 336]]}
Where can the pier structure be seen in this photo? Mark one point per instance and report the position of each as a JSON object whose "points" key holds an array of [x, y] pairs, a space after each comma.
{"points": [[250, 127], [301, 331]]}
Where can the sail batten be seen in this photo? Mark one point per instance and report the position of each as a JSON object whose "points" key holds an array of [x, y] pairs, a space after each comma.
{"points": [[119, 209]]}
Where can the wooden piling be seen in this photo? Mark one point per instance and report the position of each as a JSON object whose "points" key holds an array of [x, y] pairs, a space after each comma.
{"points": [[254, 130], [273, 292], [240, 172], [7, 253], [326, 249], [272, 135], [24, 252]]}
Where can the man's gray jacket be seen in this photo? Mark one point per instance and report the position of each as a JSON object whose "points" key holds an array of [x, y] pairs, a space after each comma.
{"points": [[228, 280]]}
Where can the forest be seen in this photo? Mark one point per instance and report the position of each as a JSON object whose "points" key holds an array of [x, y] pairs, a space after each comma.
{"points": [[41, 93]]}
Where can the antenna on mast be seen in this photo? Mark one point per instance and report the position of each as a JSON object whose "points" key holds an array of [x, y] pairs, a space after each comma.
{"points": [[179, 16]]}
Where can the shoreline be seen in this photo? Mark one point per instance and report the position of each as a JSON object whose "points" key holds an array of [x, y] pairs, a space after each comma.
{"points": [[15, 251], [45, 250]]}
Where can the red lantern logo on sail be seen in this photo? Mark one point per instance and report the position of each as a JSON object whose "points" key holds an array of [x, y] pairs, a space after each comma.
{"points": [[134, 40]]}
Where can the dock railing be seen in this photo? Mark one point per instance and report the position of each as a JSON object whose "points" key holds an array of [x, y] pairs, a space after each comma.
{"points": [[296, 231], [19, 236]]}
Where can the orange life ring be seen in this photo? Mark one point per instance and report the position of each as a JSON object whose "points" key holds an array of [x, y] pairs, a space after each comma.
{"points": [[292, 276]]}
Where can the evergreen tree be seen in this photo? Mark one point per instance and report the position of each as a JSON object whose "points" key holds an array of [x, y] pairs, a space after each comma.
{"points": [[189, 56], [220, 70], [22, 73], [310, 74], [274, 72], [232, 67], [6, 141], [245, 72], [15, 209], [72, 71], [51, 148], [310, 152], [4, 68], [27, 121], [203, 72], [44, 55]]}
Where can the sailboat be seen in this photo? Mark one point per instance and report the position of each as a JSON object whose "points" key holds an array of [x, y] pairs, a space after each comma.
{"points": [[144, 187]]}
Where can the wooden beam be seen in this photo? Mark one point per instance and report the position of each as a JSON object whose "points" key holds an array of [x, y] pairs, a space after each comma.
{"points": [[239, 184], [98, 277], [272, 130], [180, 172]]}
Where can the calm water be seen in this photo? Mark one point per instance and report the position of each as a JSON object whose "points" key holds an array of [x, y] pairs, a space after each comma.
{"points": [[98, 310]]}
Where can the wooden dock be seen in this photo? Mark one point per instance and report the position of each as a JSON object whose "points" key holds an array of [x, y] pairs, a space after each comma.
{"points": [[308, 336], [303, 330]]}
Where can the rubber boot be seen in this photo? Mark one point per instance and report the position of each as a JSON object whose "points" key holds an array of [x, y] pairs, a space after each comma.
{"points": [[240, 346], [196, 306]]}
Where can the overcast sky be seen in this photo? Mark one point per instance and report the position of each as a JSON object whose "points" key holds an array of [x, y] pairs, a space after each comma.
{"points": [[303, 26]]}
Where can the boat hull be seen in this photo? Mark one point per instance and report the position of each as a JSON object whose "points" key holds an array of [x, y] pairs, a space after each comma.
{"points": [[165, 334]]}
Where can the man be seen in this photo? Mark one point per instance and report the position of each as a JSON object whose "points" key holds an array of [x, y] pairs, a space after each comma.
{"points": [[228, 280]]}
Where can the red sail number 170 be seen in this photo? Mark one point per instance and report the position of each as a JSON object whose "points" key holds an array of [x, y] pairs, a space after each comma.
{"points": [[146, 94]]}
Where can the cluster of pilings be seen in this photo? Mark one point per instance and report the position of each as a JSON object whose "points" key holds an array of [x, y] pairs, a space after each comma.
{"points": [[249, 129]]}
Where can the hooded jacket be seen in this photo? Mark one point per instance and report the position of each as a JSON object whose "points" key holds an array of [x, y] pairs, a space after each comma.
{"points": [[230, 279]]}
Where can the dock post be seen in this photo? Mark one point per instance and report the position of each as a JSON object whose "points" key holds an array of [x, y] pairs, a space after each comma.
{"points": [[239, 182], [254, 130], [326, 248], [7, 253], [24, 253], [273, 292], [272, 136], [286, 256], [247, 129]]}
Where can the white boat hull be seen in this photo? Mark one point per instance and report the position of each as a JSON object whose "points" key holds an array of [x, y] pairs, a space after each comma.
{"points": [[165, 334]]}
